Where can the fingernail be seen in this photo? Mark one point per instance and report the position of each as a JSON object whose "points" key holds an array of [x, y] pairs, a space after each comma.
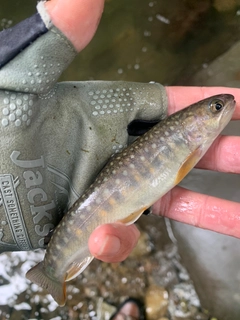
{"points": [[110, 246]]}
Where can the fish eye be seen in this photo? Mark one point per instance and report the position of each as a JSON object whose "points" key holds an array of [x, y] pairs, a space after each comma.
{"points": [[216, 105]]}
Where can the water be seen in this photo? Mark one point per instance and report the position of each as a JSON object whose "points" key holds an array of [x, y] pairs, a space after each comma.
{"points": [[144, 40]]}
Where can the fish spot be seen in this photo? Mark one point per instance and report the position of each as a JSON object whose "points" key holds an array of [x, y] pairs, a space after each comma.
{"points": [[125, 173], [78, 232], [112, 201], [82, 216], [58, 247], [154, 146], [106, 192], [103, 213], [89, 229], [69, 230], [98, 201]]}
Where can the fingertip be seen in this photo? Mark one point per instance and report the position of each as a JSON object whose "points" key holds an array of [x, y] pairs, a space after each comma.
{"points": [[113, 242], [77, 19]]}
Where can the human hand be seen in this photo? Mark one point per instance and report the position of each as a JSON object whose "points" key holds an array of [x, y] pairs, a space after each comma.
{"points": [[181, 204]]}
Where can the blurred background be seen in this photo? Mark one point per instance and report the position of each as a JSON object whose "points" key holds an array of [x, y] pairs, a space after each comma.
{"points": [[193, 274]]}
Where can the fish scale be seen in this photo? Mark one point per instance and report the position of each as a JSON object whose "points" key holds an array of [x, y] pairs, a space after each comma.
{"points": [[130, 183]]}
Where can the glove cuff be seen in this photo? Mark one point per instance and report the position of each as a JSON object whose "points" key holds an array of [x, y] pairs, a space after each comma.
{"points": [[16, 39]]}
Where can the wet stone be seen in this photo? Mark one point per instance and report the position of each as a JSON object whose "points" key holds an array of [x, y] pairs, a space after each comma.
{"points": [[156, 302]]}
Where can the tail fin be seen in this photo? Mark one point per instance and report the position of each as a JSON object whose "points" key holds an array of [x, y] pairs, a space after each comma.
{"points": [[55, 288]]}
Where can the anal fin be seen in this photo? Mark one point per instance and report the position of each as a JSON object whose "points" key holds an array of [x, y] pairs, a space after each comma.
{"points": [[132, 217], [77, 267]]}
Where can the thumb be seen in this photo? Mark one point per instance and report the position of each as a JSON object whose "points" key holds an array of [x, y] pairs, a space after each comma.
{"points": [[77, 19], [113, 242]]}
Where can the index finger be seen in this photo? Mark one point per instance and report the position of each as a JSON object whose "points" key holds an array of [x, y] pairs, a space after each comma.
{"points": [[181, 97], [200, 210]]}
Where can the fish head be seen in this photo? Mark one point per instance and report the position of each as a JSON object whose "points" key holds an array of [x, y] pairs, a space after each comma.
{"points": [[200, 125], [219, 111], [207, 118]]}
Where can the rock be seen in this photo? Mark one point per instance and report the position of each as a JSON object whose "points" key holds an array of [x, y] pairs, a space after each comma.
{"points": [[143, 247], [104, 310], [156, 302], [223, 5]]}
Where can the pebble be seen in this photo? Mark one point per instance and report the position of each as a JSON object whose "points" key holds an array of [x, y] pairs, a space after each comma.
{"points": [[156, 302]]}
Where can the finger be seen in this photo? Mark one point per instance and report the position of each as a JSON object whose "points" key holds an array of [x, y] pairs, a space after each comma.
{"points": [[200, 210], [77, 19], [181, 97], [223, 155], [113, 242]]}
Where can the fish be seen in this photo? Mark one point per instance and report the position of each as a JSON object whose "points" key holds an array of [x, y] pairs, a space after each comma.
{"points": [[130, 183]]}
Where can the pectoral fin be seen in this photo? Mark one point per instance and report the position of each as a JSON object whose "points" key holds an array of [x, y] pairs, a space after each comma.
{"points": [[77, 267], [132, 217], [188, 164]]}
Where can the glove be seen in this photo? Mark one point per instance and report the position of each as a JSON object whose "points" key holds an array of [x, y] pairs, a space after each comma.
{"points": [[55, 137]]}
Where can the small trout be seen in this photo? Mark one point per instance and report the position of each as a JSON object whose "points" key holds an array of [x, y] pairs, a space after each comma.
{"points": [[130, 183]]}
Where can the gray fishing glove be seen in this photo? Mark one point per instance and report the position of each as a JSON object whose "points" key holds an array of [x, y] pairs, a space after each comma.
{"points": [[55, 137]]}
